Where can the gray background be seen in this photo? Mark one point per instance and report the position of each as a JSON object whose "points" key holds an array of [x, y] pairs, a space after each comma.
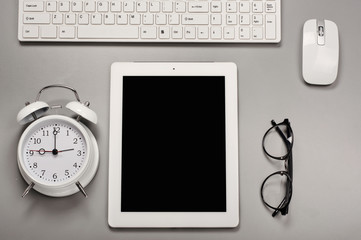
{"points": [[326, 123]]}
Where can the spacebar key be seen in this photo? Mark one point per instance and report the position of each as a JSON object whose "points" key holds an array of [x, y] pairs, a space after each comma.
{"points": [[108, 32]]}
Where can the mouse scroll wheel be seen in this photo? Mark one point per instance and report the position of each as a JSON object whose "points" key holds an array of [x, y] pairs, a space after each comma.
{"points": [[321, 31]]}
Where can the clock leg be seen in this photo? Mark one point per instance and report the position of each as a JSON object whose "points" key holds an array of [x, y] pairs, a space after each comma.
{"points": [[81, 189], [27, 190]]}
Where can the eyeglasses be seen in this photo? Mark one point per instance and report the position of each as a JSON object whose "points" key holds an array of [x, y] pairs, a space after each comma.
{"points": [[276, 189]]}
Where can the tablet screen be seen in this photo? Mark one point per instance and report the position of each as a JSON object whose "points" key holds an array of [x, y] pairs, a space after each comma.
{"points": [[173, 144]]}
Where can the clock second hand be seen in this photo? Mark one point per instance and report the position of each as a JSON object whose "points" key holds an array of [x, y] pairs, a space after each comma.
{"points": [[42, 151]]}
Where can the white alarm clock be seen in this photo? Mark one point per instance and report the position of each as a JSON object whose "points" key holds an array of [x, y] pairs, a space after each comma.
{"points": [[57, 155]]}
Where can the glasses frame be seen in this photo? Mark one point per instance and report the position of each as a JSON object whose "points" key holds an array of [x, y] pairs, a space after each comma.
{"points": [[288, 172]]}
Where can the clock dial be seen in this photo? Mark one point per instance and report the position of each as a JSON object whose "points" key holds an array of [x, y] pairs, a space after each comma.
{"points": [[54, 152]]}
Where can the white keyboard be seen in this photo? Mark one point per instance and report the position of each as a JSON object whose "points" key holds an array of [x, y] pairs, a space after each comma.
{"points": [[237, 21]]}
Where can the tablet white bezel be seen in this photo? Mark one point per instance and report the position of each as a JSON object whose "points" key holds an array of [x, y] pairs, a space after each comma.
{"points": [[227, 219]]}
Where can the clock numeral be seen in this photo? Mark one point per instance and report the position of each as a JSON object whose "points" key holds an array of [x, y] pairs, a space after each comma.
{"points": [[67, 132], [66, 172], [35, 165], [75, 141], [42, 172], [79, 153], [31, 152], [55, 176], [56, 130], [45, 133], [37, 140], [75, 165]]}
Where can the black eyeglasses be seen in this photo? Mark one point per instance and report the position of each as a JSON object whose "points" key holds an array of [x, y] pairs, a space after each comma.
{"points": [[276, 189]]}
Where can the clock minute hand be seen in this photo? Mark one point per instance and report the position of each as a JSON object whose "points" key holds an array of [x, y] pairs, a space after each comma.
{"points": [[66, 150]]}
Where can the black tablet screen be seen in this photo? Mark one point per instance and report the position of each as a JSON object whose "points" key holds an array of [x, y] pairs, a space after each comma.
{"points": [[173, 144]]}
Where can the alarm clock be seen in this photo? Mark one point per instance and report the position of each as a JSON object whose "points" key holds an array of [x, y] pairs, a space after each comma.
{"points": [[57, 155]]}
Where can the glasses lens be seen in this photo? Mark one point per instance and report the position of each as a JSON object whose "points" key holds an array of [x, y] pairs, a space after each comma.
{"points": [[276, 141], [275, 190]]}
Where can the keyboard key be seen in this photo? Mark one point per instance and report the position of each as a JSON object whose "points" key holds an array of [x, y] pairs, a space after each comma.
{"points": [[128, 6], [141, 7], [216, 33], [48, 32], [77, 6], [244, 7], [190, 33], [231, 19], [115, 6], [173, 19], [67, 32], [154, 7], [33, 6], [257, 33], [83, 19], [203, 32], [244, 33], [148, 19], [257, 19], [216, 19], [109, 19], [96, 19], [148, 32], [102, 6], [70, 19], [180, 7], [57, 18], [122, 18], [228, 33], [270, 7], [193, 19], [30, 31], [216, 6], [161, 19], [64, 6], [164, 32], [89, 6], [167, 7], [197, 7], [270, 27], [244, 19], [231, 7], [51, 6], [108, 32], [177, 32], [257, 7], [36, 18], [134, 19]]}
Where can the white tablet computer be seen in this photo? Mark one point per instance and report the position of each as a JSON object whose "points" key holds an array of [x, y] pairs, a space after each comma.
{"points": [[173, 148]]}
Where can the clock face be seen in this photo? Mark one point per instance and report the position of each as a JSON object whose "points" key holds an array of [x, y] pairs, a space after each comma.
{"points": [[54, 151]]}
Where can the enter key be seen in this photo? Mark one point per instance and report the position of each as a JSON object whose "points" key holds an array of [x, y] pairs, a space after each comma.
{"points": [[270, 27]]}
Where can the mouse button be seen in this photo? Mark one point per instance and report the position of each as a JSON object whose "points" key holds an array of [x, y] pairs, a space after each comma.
{"points": [[331, 34], [309, 32]]}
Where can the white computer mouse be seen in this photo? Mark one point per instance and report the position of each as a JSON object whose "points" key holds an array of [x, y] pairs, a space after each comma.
{"points": [[320, 52]]}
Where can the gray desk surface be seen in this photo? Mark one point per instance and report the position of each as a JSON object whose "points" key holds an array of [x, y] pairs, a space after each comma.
{"points": [[326, 122]]}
